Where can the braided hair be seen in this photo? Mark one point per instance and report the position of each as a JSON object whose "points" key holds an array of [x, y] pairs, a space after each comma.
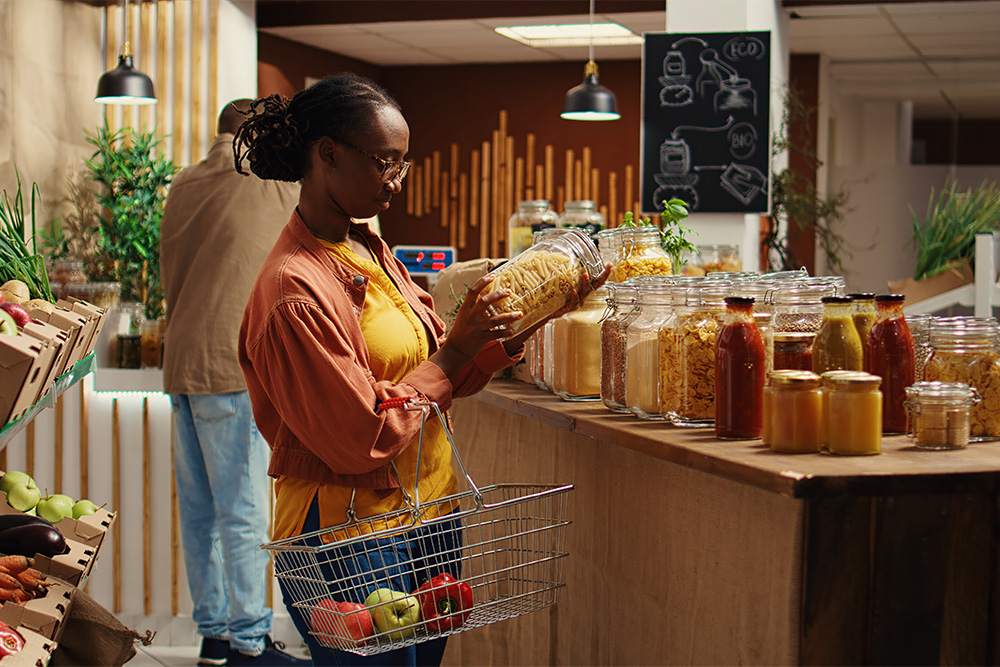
{"points": [[277, 132]]}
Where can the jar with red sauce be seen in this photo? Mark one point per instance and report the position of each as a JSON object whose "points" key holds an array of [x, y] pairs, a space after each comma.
{"points": [[739, 373], [793, 350], [889, 354]]}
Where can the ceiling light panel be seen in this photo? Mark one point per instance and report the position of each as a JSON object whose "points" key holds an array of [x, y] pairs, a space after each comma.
{"points": [[576, 34]]}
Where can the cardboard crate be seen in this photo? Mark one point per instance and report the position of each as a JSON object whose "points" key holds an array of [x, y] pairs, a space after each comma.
{"points": [[37, 650], [21, 374], [70, 322], [89, 309], [45, 615], [56, 337], [89, 530], [92, 321]]}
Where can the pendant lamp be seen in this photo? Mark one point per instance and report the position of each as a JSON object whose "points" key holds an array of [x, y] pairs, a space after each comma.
{"points": [[125, 84], [590, 100]]}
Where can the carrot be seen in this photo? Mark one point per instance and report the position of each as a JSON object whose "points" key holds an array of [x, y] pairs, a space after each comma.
{"points": [[7, 581], [31, 580], [16, 563], [22, 595], [7, 594]]}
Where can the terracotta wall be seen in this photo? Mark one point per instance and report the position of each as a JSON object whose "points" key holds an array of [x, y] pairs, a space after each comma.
{"points": [[462, 104]]}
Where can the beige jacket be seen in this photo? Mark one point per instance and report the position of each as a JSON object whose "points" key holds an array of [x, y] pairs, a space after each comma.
{"points": [[218, 226]]}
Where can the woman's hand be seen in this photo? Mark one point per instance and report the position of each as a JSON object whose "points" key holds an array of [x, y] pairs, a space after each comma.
{"points": [[474, 325]]}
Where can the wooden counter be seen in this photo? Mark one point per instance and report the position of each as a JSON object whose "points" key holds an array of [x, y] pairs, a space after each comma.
{"points": [[689, 550]]}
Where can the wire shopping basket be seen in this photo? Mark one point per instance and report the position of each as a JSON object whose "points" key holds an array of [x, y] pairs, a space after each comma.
{"points": [[500, 548]]}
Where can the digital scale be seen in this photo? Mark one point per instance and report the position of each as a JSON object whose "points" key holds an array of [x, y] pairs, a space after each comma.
{"points": [[425, 260]]}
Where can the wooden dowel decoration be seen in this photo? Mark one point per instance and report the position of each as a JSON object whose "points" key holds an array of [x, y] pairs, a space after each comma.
{"points": [[509, 201], [587, 192], [539, 182], [434, 170], [454, 169], [430, 182], [612, 200], [116, 501], [162, 57], [147, 529], [496, 183], [453, 219], [486, 179], [111, 22], [595, 185], [445, 209], [213, 63], [410, 194], [145, 58], [628, 190], [29, 448], [175, 531], [418, 191], [570, 193], [57, 446], [550, 173], [180, 32], [603, 211], [560, 201], [197, 57], [519, 195], [463, 210], [578, 179], [474, 189], [637, 207], [529, 162]]}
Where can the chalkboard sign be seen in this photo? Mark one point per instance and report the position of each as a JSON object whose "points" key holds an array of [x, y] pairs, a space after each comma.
{"points": [[706, 121]]}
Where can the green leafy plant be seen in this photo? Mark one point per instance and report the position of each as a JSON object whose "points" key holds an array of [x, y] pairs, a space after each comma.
{"points": [[74, 235], [673, 237], [946, 237], [132, 188], [17, 262]]}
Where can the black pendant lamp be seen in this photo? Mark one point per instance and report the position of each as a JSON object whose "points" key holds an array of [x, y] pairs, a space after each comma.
{"points": [[590, 100], [125, 84]]}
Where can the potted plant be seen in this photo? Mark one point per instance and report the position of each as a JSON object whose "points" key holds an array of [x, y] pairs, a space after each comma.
{"points": [[131, 190], [17, 261]]}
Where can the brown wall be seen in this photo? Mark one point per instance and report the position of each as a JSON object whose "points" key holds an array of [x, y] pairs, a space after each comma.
{"points": [[462, 104]]}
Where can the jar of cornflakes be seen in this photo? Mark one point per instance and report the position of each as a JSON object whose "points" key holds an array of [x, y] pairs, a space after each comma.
{"points": [[938, 414], [576, 349], [854, 420], [640, 255], [967, 351], [642, 376], [694, 339], [682, 289], [531, 216], [614, 347]]}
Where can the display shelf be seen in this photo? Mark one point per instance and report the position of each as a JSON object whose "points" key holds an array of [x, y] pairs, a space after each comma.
{"points": [[148, 380], [981, 295], [60, 385]]}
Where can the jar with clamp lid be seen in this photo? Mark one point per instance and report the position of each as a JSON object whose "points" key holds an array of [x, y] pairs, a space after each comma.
{"points": [[684, 289], [640, 255], [531, 216], [583, 215], [576, 349], [614, 345], [695, 336], [798, 306], [642, 376], [938, 414]]}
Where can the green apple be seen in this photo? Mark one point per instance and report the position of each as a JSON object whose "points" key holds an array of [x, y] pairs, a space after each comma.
{"points": [[7, 323], [83, 507], [13, 477], [394, 612], [55, 508], [23, 497]]}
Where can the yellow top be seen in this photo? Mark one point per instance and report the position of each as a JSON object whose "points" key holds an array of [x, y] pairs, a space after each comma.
{"points": [[397, 343]]}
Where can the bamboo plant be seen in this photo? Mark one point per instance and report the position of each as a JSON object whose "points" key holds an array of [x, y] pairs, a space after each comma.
{"points": [[946, 238]]}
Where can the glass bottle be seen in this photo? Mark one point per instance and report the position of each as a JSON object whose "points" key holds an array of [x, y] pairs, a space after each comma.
{"points": [[863, 313], [837, 345], [583, 215], [890, 355], [855, 414], [739, 373], [793, 412], [695, 336], [640, 255], [967, 351], [642, 367], [919, 324], [576, 349], [614, 345], [531, 216], [938, 414]]}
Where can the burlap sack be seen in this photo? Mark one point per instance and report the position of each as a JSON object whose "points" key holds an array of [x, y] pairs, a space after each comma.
{"points": [[93, 636]]}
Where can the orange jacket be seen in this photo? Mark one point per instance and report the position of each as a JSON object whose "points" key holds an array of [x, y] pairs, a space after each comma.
{"points": [[306, 365]]}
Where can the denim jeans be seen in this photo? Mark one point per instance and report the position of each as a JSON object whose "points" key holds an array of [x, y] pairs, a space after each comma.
{"points": [[435, 549], [220, 462]]}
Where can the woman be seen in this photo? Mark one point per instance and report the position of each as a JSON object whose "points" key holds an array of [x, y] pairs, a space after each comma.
{"points": [[335, 326]]}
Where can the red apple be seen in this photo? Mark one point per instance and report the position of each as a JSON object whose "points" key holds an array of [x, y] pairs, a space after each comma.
{"points": [[352, 617], [17, 311]]}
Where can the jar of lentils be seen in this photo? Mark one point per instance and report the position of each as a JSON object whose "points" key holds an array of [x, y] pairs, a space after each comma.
{"points": [[621, 304]]}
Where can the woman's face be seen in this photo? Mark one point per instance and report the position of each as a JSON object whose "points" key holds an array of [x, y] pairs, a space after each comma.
{"points": [[356, 183]]}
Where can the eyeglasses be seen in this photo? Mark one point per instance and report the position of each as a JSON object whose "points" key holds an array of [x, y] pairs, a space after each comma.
{"points": [[391, 169]]}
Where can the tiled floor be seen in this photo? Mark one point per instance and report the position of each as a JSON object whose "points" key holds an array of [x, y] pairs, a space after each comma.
{"points": [[177, 656]]}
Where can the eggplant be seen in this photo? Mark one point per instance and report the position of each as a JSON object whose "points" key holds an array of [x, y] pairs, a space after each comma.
{"points": [[31, 539], [21, 519]]}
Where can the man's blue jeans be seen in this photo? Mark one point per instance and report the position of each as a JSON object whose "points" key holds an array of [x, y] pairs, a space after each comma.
{"points": [[220, 462]]}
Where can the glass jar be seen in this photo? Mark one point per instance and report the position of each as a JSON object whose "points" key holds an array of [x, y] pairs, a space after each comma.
{"points": [[544, 278], [681, 288], [792, 412], [65, 272], [576, 349], [837, 345], [739, 373], [614, 345], [531, 216], [854, 418], [798, 306], [640, 255], [102, 295], [608, 243], [938, 414], [793, 350], [583, 215], [548, 361], [711, 258], [890, 355], [920, 324], [863, 313], [695, 336], [151, 344], [766, 329], [825, 382], [129, 351], [642, 365], [967, 351]]}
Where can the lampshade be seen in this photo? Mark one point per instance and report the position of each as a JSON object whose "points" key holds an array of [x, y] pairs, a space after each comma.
{"points": [[125, 85], [590, 100]]}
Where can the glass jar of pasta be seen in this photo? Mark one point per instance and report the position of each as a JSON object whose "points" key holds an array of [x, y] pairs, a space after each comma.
{"points": [[531, 216], [640, 255], [938, 414], [695, 337], [967, 351], [642, 376], [576, 349], [544, 278], [854, 417], [614, 344]]}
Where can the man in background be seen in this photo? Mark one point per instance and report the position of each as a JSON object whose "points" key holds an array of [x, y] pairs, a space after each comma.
{"points": [[218, 226]]}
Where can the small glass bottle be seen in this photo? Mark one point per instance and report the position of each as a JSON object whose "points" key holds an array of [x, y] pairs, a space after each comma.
{"points": [[642, 367], [793, 412], [614, 345], [938, 414], [640, 255], [576, 349], [863, 313], [695, 337], [582, 214], [739, 373], [890, 355], [855, 414], [837, 345], [531, 216]]}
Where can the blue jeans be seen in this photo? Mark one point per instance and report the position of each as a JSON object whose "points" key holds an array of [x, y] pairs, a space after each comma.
{"points": [[428, 551], [220, 462]]}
